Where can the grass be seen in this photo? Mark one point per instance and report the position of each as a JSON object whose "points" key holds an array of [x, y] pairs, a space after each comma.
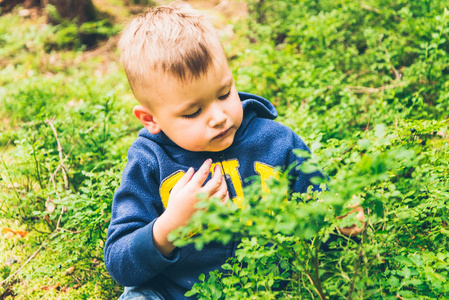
{"points": [[73, 89]]}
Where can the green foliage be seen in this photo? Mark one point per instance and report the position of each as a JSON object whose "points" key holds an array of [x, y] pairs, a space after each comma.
{"points": [[70, 35], [347, 60], [403, 188], [364, 83], [65, 130]]}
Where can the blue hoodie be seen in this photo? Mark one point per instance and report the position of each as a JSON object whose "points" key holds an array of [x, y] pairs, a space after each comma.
{"points": [[154, 165]]}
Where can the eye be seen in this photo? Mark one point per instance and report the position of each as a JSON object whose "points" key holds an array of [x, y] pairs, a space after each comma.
{"points": [[225, 96], [195, 114]]}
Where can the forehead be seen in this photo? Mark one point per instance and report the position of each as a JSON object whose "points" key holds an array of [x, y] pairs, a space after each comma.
{"points": [[167, 91]]}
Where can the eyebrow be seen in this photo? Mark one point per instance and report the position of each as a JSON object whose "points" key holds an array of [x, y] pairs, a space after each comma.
{"points": [[188, 107], [229, 81], [227, 84]]}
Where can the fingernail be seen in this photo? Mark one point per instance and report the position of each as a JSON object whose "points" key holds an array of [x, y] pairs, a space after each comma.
{"points": [[217, 169], [190, 170]]}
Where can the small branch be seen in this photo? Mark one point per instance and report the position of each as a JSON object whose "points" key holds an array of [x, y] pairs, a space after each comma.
{"points": [[397, 75], [378, 11], [367, 127], [317, 275], [356, 268], [367, 90], [370, 8], [6, 146], [36, 252], [95, 291], [364, 135], [26, 262], [52, 177], [60, 150], [313, 284]]}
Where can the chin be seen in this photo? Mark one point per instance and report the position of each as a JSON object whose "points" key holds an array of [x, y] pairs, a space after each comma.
{"points": [[223, 146]]}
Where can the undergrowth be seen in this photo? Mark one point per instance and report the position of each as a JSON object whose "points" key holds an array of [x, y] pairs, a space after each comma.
{"points": [[365, 84]]}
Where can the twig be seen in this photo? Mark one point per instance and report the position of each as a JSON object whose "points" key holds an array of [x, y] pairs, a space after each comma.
{"points": [[397, 75], [61, 159], [52, 177], [367, 127], [351, 289], [313, 284], [370, 8], [63, 229], [26, 262], [368, 90], [378, 11], [364, 135], [317, 275], [95, 291], [6, 146], [91, 128]]}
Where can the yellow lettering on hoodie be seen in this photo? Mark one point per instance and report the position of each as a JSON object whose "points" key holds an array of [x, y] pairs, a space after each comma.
{"points": [[167, 185], [265, 172], [231, 167]]}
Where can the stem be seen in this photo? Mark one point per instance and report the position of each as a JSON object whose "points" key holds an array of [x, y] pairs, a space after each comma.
{"points": [[10, 182], [60, 151], [351, 289], [317, 276], [37, 168], [27, 261]]}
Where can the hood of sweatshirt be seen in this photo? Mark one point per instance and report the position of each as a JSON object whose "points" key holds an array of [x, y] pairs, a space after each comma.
{"points": [[253, 107]]}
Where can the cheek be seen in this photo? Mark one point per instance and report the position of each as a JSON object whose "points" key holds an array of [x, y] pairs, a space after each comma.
{"points": [[237, 111]]}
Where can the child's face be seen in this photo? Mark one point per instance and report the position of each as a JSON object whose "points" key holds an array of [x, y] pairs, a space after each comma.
{"points": [[198, 115]]}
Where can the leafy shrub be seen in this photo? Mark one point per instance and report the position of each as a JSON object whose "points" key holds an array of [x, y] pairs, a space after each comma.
{"points": [[290, 249], [64, 133], [347, 58], [365, 84]]}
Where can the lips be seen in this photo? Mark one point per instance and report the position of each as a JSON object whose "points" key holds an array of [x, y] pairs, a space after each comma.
{"points": [[223, 134]]}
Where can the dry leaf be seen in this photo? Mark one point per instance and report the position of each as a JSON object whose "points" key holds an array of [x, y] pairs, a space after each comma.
{"points": [[50, 287], [51, 208], [11, 232], [69, 271], [10, 261], [47, 219]]}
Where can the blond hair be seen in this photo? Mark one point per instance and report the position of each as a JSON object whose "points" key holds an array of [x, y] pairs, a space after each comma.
{"points": [[174, 39]]}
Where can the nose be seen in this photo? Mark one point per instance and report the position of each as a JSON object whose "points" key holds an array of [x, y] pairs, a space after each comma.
{"points": [[218, 116]]}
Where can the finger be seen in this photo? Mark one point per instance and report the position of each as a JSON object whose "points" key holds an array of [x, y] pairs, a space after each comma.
{"points": [[213, 185], [183, 181], [226, 198], [222, 191], [202, 173]]}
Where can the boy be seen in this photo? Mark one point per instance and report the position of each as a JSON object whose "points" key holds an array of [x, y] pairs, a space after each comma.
{"points": [[193, 119]]}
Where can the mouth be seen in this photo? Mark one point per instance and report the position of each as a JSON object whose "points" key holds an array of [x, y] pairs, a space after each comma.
{"points": [[223, 133]]}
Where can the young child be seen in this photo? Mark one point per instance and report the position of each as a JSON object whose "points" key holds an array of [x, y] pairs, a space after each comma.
{"points": [[200, 136]]}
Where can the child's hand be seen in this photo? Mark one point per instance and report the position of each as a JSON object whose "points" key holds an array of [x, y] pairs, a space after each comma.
{"points": [[182, 201], [183, 196], [353, 230]]}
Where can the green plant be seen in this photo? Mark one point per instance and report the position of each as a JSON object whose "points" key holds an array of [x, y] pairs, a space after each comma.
{"points": [[70, 35], [288, 248]]}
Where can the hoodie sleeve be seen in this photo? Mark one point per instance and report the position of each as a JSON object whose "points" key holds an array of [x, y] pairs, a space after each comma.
{"points": [[130, 254], [301, 180]]}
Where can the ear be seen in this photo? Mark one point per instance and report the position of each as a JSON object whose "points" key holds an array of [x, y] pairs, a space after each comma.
{"points": [[147, 119]]}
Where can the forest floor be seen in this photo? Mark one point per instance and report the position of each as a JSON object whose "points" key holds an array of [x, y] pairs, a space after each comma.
{"points": [[17, 246]]}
